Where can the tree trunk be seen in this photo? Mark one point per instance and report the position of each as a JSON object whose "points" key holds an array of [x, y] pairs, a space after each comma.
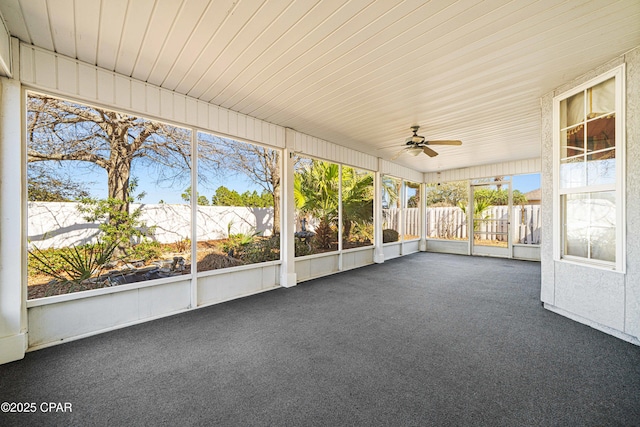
{"points": [[118, 182], [118, 175], [276, 210], [346, 229], [275, 183]]}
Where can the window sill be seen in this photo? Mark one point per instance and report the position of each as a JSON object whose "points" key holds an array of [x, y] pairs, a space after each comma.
{"points": [[587, 264]]}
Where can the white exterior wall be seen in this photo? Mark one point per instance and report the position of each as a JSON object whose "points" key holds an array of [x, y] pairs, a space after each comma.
{"points": [[606, 300]]}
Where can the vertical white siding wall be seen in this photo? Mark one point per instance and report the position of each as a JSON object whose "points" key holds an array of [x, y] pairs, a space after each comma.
{"points": [[398, 171], [515, 167], [315, 147], [41, 69]]}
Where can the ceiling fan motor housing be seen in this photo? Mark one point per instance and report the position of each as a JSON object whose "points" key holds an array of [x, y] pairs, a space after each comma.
{"points": [[415, 138]]}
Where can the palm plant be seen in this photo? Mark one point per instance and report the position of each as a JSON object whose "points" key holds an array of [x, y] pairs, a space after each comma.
{"points": [[357, 200], [315, 192]]}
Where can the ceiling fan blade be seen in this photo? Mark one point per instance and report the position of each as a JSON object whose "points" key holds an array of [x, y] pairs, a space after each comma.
{"points": [[395, 156], [444, 142], [429, 152]]}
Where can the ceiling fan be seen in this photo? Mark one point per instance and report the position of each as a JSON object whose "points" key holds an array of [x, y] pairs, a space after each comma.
{"points": [[417, 144]]}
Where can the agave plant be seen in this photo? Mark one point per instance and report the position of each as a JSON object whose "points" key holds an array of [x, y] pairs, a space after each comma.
{"points": [[80, 262]]}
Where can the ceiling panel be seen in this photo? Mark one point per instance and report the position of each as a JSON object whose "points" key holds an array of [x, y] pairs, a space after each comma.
{"points": [[87, 25], [158, 31], [61, 12], [233, 38], [112, 20], [261, 50], [36, 17], [191, 64], [133, 35], [357, 73], [281, 53], [182, 30]]}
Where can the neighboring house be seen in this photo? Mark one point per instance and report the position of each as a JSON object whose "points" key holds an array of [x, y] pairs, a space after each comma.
{"points": [[534, 197]]}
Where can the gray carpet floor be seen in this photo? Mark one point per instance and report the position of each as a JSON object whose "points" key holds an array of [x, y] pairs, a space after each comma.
{"points": [[427, 339]]}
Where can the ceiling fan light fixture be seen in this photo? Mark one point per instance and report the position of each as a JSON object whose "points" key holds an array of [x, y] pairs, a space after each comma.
{"points": [[414, 151]]}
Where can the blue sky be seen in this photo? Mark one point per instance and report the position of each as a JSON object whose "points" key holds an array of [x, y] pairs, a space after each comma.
{"points": [[95, 180], [526, 183]]}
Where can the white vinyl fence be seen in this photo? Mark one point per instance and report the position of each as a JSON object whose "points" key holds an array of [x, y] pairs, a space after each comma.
{"points": [[58, 224]]}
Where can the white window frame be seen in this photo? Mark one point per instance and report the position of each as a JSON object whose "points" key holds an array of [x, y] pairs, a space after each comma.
{"points": [[558, 234]]}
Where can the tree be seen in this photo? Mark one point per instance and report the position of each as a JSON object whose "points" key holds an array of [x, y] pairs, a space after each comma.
{"points": [[226, 197], [260, 165], [118, 227], [44, 185], [498, 197], [59, 130], [186, 196], [414, 201], [390, 192], [447, 194]]}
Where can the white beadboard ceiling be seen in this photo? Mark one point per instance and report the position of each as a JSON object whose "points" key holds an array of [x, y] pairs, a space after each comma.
{"points": [[358, 73]]}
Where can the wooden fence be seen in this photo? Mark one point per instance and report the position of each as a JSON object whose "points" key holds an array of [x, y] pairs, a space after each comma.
{"points": [[411, 220], [451, 223]]}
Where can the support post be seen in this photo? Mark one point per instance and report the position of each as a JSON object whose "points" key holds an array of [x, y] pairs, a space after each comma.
{"points": [[288, 223], [378, 252], [13, 311], [423, 217]]}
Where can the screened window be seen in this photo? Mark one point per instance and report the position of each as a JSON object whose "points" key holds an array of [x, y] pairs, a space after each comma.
{"points": [[391, 208], [316, 195], [411, 210], [357, 208], [238, 199], [527, 209], [104, 190], [589, 179], [446, 210]]}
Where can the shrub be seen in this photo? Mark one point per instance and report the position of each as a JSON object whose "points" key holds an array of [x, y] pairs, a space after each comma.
{"points": [[236, 244], [262, 250], [145, 250], [302, 247], [183, 245], [55, 261]]}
